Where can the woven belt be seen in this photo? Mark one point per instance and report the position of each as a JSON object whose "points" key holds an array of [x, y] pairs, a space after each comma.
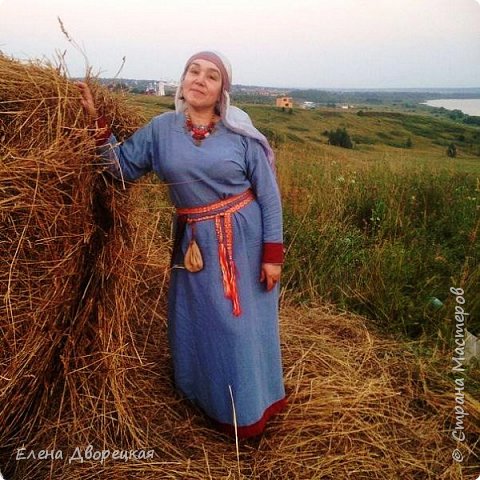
{"points": [[221, 212]]}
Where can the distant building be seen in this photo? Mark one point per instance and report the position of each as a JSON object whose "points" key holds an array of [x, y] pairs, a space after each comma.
{"points": [[151, 89], [308, 105], [284, 102], [156, 88], [160, 89]]}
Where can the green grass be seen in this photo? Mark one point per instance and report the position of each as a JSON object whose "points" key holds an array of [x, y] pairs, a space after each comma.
{"points": [[152, 105], [380, 229], [381, 236]]}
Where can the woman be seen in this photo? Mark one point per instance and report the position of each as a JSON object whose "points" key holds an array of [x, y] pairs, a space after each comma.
{"points": [[226, 263]]}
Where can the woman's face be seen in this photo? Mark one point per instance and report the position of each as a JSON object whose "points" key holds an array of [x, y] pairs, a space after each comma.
{"points": [[202, 85]]}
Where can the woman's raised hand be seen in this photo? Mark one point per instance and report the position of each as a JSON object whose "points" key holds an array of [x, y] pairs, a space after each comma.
{"points": [[87, 99]]}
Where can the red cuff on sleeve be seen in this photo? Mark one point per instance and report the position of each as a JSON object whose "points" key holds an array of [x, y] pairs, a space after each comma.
{"points": [[103, 131], [272, 253]]}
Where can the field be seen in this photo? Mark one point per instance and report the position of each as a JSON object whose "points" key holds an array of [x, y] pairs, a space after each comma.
{"points": [[384, 228]]}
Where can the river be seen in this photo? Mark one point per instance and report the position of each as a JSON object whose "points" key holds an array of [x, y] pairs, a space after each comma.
{"points": [[469, 106]]}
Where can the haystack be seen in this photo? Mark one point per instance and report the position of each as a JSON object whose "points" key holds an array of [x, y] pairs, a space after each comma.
{"points": [[84, 358], [68, 294]]}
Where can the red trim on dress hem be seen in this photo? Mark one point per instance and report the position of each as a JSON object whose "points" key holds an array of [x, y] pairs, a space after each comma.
{"points": [[257, 427]]}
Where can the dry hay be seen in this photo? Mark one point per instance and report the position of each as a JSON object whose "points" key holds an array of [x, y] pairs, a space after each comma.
{"points": [[84, 358], [66, 278]]}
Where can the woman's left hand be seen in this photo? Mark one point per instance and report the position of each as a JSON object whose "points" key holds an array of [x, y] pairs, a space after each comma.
{"points": [[270, 274]]}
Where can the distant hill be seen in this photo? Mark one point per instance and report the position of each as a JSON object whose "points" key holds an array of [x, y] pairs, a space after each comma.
{"points": [[263, 94]]}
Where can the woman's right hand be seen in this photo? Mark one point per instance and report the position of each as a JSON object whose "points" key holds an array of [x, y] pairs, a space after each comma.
{"points": [[87, 99]]}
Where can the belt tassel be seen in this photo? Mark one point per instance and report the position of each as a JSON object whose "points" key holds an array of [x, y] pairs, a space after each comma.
{"points": [[227, 265]]}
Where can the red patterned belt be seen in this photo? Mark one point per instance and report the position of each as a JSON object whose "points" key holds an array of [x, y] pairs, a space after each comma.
{"points": [[221, 212]]}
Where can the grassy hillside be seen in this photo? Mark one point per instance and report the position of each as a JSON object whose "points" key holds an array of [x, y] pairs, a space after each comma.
{"points": [[383, 132], [371, 131], [380, 229]]}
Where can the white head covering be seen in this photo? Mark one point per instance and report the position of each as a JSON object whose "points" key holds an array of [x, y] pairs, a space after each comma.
{"points": [[233, 118]]}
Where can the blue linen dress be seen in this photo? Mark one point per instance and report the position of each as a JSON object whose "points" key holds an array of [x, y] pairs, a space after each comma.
{"points": [[214, 351]]}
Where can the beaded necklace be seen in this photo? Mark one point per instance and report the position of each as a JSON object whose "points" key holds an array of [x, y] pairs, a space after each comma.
{"points": [[199, 132]]}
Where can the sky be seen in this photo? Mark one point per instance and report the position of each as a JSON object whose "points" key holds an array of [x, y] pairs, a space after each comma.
{"points": [[277, 43]]}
